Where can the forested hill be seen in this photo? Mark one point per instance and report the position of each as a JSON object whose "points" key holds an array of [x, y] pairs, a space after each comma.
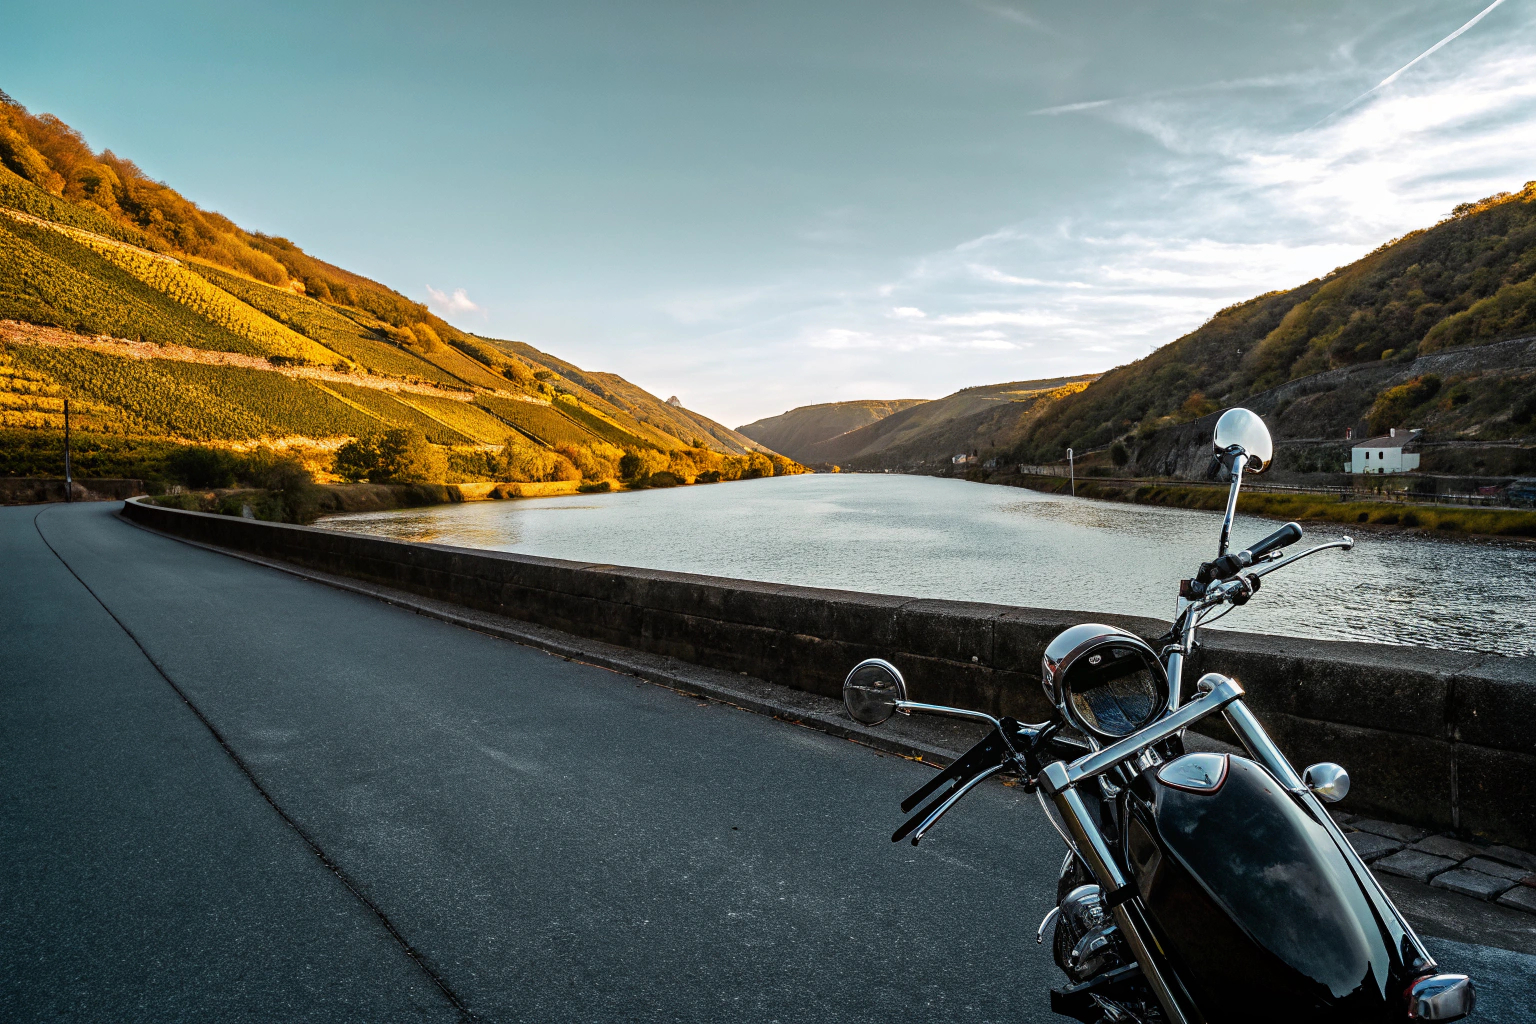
{"points": [[1465, 283], [163, 320], [928, 435]]}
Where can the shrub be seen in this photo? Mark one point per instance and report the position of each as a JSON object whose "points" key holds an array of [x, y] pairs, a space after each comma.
{"points": [[524, 463], [596, 461], [202, 467], [392, 456], [1393, 406], [1118, 454]]}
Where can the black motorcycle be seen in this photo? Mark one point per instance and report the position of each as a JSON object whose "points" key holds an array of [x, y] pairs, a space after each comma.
{"points": [[1198, 888]]}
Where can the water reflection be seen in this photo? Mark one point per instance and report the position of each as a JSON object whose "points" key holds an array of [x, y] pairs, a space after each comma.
{"points": [[946, 538]]}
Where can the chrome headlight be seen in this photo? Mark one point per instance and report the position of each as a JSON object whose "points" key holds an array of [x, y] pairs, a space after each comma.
{"points": [[1107, 682]]}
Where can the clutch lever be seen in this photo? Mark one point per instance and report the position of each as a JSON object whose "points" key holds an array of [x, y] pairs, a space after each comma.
{"points": [[993, 749], [993, 754], [944, 803]]}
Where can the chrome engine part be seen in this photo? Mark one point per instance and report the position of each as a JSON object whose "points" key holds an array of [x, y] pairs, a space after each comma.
{"points": [[1087, 942]]}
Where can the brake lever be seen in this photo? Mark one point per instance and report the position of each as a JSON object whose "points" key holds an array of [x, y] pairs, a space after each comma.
{"points": [[1347, 543]]}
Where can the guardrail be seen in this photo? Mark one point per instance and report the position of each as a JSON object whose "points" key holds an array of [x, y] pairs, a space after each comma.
{"points": [[1442, 739]]}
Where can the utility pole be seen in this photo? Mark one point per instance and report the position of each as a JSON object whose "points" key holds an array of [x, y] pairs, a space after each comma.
{"points": [[69, 483], [1072, 472]]}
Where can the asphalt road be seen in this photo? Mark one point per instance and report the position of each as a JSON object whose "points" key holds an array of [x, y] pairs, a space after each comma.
{"points": [[330, 808]]}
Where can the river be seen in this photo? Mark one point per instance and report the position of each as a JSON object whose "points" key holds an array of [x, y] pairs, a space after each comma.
{"points": [[931, 537]]}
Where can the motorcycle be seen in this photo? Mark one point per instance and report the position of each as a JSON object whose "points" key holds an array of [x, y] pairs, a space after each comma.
{"points": [[1198, 887]]}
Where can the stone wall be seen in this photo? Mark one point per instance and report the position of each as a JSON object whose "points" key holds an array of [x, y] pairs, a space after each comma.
{"points": [[16, 490], [1441, 739]]}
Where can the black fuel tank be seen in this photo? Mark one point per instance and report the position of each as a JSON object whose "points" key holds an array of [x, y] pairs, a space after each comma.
{"points": [[1253, 901]]}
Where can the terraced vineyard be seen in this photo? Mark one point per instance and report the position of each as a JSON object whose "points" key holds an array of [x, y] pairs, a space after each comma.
{"points": [[194, 401], [48, 278], [539, 421], [163, 323], [469, 420], [32, 399], [391, 410], [214, 304], [18, 193], [326, 325], [607, 429]]}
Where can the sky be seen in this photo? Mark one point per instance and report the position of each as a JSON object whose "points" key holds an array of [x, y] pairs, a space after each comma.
{"points": [[756, 206]]}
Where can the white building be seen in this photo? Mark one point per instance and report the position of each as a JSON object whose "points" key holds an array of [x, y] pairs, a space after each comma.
{"points": [[1385, 454]]}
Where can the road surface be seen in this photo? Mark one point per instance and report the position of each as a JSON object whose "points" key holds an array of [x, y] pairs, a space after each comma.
{"points": [[231, 794]]}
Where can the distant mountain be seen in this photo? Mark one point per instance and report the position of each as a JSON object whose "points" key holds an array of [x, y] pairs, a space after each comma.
{"points": [[929, 434], [1399, 338], [800, 428], [159, 319]]}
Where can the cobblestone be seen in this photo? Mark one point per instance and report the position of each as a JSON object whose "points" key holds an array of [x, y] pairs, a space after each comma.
{"points": [[1520, 898], [1510, 855], [1445, 846], [1498, 870], [1372, 847], [1390, 829], [1420, 867], [1472, 883]]}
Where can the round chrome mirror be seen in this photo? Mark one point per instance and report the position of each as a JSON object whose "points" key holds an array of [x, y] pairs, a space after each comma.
{"points": [[1107, 682], [1329, 781], [871, 691], [1239, 428]]}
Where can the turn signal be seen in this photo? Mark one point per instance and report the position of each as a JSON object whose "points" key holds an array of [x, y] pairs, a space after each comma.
{"points": [[1441, 997]]}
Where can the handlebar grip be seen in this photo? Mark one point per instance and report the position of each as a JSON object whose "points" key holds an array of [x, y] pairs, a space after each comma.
{"points": [[1287, 535]]}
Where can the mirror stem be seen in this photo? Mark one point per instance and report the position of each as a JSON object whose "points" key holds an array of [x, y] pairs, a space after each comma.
{"points": [[1238, 462]]}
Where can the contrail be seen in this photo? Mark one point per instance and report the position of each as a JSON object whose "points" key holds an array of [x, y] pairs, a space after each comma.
{"points": [[1398, 73], [1477, 18]]}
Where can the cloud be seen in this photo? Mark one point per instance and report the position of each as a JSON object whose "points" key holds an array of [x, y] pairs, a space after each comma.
{"points": [[1016, 16], [447, 305], [1231, 195]]}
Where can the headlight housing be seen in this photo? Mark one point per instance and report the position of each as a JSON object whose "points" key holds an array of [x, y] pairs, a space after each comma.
{"points": [[1107, 682]]}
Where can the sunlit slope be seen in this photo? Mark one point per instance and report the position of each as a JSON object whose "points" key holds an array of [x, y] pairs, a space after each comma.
{"points": [[792, 433], [632, 408], [330, 327], [931, 433], [159, 318]]}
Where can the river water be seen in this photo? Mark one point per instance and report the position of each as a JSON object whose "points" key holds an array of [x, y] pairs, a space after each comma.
{"points": [[930, 537]]}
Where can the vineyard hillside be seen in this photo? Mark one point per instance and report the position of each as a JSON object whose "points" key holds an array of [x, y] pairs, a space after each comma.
{"points": [[160, 321]]}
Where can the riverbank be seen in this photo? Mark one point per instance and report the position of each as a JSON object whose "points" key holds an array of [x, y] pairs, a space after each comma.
{"points": [[1505, 524], [306, 504]]}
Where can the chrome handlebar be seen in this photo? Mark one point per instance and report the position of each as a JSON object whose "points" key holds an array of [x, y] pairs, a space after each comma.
{"points": [[1237, 586]]}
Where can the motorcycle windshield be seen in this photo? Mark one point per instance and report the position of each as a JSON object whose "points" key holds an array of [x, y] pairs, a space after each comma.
{"points": [[1258, 903]]}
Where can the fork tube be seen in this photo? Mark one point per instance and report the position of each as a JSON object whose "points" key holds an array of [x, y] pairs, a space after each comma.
{"points": [[1102, 863]]}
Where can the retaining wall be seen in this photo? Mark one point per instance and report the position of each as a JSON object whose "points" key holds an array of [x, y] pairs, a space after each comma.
{"points": [[1440, 739], [15, 490]]}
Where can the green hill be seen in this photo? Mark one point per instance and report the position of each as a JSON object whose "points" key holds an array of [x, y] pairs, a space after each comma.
{"points": [[1399, 338], [798, 429], [160, 320]]}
